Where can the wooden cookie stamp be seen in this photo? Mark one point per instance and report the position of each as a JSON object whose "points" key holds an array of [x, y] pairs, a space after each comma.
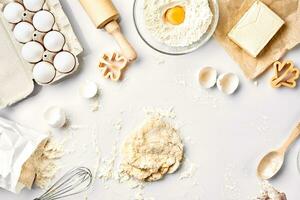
{"points": [[112, 66], [286, 74]]}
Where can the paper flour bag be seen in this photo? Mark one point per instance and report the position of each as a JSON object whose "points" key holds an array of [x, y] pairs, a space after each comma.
{"points": [[17, 144]]}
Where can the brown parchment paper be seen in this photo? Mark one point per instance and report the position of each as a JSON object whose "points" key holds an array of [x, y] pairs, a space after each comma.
{"points": [[287, 38]]}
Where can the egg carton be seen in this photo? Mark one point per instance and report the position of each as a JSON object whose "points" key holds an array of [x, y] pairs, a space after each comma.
{"points": [[61, 25], [16, 78]]}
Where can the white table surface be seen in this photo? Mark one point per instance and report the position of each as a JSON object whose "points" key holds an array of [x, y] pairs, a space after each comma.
{"points": [[224, 135]]}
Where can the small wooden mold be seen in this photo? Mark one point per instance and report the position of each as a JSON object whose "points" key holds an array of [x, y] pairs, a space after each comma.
{"points": [[286, 75], [112, 66]]}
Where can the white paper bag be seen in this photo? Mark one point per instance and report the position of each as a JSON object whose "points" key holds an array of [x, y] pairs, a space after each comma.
{"points": [[17, 144]]}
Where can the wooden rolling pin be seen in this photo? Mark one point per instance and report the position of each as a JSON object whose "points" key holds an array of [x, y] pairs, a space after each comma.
{"points": [[105, 15]]}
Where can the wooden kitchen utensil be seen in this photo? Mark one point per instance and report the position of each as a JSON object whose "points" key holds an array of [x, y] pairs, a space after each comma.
{"points": [[286, 74], [105, 15], [272, 162]]}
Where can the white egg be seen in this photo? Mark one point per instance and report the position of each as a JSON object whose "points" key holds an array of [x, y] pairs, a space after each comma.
{"points": [[33, 5], [64, 62], [23, 32], [54, 41], [207, 77], [13, 12], [55, 117], [228, 83], [32, 52], [43, 21], [89, 90], [43, 72]]}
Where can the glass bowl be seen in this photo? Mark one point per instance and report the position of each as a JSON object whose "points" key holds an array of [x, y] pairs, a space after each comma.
{"points": [[138, 16]]}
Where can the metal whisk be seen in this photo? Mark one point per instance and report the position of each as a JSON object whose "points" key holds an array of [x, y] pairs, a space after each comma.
{"points": [[73, 182]]}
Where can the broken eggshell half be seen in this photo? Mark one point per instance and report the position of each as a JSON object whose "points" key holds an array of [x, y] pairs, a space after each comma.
{"points": [[55, 117], [208, 77], [88, 90], [228, 83]]}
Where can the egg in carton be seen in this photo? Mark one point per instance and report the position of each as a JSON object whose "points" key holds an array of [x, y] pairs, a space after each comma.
{"points": [[17, 74], [47, 40]]}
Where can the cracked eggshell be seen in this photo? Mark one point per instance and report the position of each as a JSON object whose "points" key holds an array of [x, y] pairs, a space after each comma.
{"points": [[43, 72], [64, 62], [23, 32], [208, 77], [34, 5], [228, 83], [32, 52], [88, 90], [55, 117], [13, 12], [54, 41], [43, 21]]}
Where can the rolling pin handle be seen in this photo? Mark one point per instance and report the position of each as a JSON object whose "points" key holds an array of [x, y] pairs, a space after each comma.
{"points": [[114, 29]]}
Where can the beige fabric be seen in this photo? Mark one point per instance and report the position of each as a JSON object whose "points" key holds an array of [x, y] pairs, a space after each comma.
{"points": [[15, 74]]}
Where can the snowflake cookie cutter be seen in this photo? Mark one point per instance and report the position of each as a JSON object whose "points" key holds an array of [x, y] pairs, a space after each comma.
{"points": [[286, 74], [112, 65]]}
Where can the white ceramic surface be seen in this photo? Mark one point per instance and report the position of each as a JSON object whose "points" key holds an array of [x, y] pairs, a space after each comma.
{"points": [[225, 135]]}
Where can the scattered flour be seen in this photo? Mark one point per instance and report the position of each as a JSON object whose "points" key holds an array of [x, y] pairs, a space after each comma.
{"points": [[160, 113], [95, 104], [231, 189], [209, 99], [44, 162], [270, 193], [118, 125], [106, 169], [190, 172]]}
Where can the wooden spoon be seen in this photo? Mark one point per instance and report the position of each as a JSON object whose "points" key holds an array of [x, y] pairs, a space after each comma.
{"points": [[271, 163]]}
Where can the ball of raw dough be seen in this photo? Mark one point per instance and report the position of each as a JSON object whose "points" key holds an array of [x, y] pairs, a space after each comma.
{"points": [[43, 21], [13, 12], [64, 62], [23, 32], [43, 72], [32, 52], [54, 41], [33, 5], [152, 151]]}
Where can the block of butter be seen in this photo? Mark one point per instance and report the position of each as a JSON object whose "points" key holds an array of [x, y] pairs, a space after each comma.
{"points": [[256, 28]]}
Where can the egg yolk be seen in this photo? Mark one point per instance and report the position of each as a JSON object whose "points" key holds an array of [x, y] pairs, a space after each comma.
{"points": [[175, 15]]}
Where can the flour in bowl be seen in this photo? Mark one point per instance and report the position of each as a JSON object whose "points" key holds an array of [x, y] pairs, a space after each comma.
{"points": [[177, 23]]}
